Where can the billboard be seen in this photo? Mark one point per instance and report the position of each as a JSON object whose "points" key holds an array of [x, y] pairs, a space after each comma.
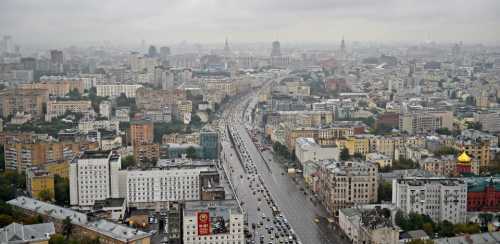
{"points": [[203, 223]]}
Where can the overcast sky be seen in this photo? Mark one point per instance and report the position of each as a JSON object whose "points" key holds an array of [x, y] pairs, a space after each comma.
{"points": [[203, 21]]}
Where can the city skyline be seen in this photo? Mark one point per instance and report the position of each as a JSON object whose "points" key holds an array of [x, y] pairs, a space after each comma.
{"points": [[57, 23]]}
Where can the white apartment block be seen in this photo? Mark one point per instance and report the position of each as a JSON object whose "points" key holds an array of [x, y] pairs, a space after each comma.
{"points": [[306, 149], [58, 108], [161, 185], [115, 90], [105, 109], [215, 233], [89, 125], [440, 198], [94, 176]]}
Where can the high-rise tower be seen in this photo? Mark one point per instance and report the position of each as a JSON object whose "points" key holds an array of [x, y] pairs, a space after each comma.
{"points": [[276, 51]]}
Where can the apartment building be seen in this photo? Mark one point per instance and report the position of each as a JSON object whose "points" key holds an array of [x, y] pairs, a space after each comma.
{"points": [[213, 222], [38, 180], [59, 88], [425, 121], [155, 99], [343, 184], [146, 152], [21, 156], [141, 132], [30, 101], [85, 126], [94, 176], [115, 90], [439, 198], [59, 108], [306, 149]]}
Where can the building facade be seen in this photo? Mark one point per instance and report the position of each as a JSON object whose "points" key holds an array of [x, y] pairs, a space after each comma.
{"points": [[439, 198], [94, 176], [343, 184]]}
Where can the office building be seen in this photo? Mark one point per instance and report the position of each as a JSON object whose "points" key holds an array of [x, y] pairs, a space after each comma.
{"points": [[209, 141], [94, 176], [439, 198], [343, 184], [173, 180], [306, 149], [213, 222], [425, 122], [105, 109], [115, 90]]}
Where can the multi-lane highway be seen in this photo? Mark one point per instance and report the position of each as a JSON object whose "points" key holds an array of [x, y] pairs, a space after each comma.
{"points": [[265, 189]]}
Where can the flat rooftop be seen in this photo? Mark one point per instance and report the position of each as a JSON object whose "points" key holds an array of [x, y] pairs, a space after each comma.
{"points": [[192, 207]]}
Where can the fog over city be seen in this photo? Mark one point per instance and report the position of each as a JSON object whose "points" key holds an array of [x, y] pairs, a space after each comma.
{"points": [[205, 21]]}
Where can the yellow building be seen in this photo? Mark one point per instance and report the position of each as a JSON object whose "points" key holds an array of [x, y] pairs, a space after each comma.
{"points": [[39, 180], [355, 145], [61, 168], [478, 150]]}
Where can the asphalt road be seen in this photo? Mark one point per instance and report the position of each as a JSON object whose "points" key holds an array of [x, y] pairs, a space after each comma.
{"points": [[306, 217]]}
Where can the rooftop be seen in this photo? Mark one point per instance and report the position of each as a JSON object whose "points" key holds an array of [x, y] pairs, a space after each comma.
{"points": [[192, 207], [104, 227], [18, 233]]}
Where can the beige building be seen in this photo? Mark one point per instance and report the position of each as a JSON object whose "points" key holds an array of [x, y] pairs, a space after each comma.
{"points": [[425, 121], [382, 160], [183, 107], [141, 132], [193, 138], [227, 87], [30, 101], [58, 88], [21, 156], [367, 224], [58, 108], [343, 184]]}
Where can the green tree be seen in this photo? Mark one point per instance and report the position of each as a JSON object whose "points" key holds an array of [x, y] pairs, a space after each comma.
{"points": [[446, 229], [384, 191], [485, 218], [446, 151], [57, 239], [2, 159], [344, 154], [401, 220], [61, 193], [419, 241], [74, 94], [5, 220], [45, 195], [191, 153], [428, 228], [67, 226], [443, 131], [196, 122], [128, 161]]}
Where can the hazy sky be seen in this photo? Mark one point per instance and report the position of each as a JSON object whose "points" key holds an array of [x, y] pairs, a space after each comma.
{"points": [[171, 21]]}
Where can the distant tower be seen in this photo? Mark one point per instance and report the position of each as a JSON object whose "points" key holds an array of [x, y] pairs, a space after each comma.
{"points": [[164, 52], [342, 49], [152, 52], [226, 46], [276, 51], [56, 57]]}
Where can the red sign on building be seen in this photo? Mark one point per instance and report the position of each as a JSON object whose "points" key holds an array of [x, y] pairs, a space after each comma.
{"points": [[203, 223]]}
